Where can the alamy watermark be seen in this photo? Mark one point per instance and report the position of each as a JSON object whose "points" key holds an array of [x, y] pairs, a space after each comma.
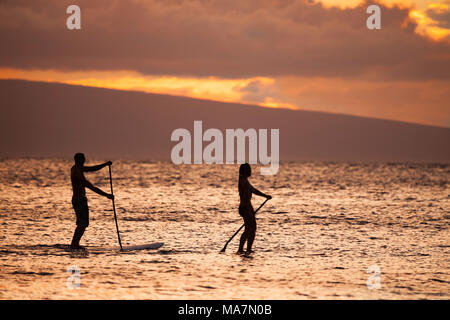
{"points": [[74, 280], [374, 281], [374, 20], [213, 153], [73, 22]]}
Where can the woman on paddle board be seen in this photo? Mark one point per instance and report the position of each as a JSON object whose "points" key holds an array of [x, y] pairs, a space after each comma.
{"points": [[245, 207]]}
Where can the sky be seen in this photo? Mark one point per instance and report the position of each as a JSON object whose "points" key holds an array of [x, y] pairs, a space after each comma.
{"points": [[296, 54]]}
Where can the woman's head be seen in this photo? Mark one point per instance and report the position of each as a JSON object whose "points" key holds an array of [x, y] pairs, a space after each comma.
{"points": [[245, 170]]}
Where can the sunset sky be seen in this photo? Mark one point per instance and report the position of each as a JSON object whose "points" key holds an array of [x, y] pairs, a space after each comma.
{"points": [[311, 55]]}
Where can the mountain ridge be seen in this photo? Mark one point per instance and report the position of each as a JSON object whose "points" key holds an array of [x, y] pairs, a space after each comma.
{"points": [[106, 122]]}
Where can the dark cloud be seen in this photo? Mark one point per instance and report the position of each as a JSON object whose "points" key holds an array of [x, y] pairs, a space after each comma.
{"points": [[257, 91], [440, 15], [230, 39]]}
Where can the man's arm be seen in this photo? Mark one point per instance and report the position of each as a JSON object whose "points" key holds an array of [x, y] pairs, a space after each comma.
{"points": [[89, 185], [97, 167]]}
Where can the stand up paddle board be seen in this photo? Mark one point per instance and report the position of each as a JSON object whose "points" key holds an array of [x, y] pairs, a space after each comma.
{"points": [[148, 246]]}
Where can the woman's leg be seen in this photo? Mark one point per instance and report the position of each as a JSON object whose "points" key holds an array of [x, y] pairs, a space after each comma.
{"points": [[251, 231], [244, 213], [242, 241]]}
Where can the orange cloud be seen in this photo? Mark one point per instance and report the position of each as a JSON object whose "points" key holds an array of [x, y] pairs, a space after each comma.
{"points": [[210, 88]]}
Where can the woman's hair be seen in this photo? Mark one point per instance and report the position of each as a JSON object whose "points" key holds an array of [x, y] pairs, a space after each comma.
{"points": [[245, 170]]}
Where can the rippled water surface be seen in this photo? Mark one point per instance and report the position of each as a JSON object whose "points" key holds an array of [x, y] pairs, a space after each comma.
{"points": [[327, 223]]}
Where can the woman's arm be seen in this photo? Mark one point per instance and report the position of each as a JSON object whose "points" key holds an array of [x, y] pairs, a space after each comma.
{"points": [[259, 193]]}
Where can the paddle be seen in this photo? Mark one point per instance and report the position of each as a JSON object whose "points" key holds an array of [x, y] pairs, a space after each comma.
{"points": [[114, 208], [225, 247]]}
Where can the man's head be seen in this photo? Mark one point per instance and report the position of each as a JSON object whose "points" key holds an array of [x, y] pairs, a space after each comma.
{"points": [[79, 159]]}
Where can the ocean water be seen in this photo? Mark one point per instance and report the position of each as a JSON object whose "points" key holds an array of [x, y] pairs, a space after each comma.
{"points": [[327, 224]]}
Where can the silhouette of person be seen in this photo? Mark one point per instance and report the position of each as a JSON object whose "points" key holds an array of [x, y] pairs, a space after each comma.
{"points": [[79, 200], [245, 207]]}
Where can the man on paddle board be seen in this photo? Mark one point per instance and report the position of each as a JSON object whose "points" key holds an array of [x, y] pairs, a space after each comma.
{"points": [[79, 200], [245, 207]]}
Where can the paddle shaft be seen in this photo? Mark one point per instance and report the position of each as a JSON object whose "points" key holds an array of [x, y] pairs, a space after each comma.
{"points": [[114, 208], [224, 248]]}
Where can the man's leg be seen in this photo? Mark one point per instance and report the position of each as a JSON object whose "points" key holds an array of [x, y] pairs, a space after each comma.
{"points": [[79, 231], [82, 212]]}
